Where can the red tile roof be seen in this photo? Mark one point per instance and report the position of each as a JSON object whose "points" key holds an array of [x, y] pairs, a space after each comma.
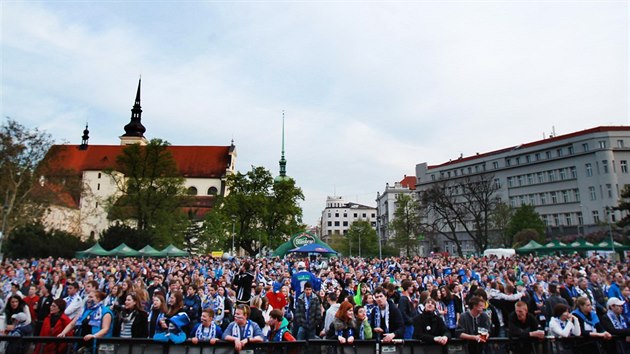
{"points": [[409, 182], [192, 161], [537, 142]]}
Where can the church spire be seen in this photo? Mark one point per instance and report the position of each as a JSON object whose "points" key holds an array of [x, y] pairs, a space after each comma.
{"points": [[283, 161], [134, 131]]}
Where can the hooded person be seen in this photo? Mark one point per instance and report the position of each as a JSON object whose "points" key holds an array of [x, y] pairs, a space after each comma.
{"points": [[175, 332], [21, 328]]}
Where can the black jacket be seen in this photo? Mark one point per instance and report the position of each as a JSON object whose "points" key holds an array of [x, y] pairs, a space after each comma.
{"points": [[395, 321], [139, 326], [427, 326]]}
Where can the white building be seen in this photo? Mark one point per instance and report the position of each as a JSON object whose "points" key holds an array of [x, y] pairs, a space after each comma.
{"points": [[339, 215], [386, 205], [572, 180], [81, 187]]}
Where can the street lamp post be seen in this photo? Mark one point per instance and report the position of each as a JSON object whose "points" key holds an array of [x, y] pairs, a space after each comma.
{"points": [[5, 210], [612, 241], [233, 233]]}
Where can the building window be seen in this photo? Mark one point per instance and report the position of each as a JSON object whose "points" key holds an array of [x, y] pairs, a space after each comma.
{"points": [[551, 175], [337, 215], [548, 154], [373, 215], [99, 175], [532, 199], [585, 147], [521, 199], [573, 172], [520, 180], [565, 196], [559, 152], [513, 202], [576, 194], [556, 219], [609, 190], [192, 191], [568, 220], [508, 162], [518, 160], [591, 191], [563, 173], [356, 215], [497, 183], [345, 215], [336, 223], [364, 215], [537, 156], [620, 143], [595, 216], [98, 186], [545, 219], [345, 223], [433, 177], [624, 166], [530, 178], [495, 165], [554, 197], [543, 198], [589, 170], [96, 204], [580, 218], [329, 215], [214, 191], [541, 177], [605, 166], [602, 144], [330, 223], [528, 159], [570, 148], [510, 182]]}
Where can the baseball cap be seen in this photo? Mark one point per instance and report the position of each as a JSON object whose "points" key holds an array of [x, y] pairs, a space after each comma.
{"points": [[614, 301], [301, 264]]}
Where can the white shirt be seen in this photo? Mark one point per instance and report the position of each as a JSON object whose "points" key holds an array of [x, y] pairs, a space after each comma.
{"points": [[571, 328]]}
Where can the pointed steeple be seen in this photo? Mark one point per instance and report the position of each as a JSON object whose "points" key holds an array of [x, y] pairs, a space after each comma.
{"points": [[283, 162], [134, 131], [85, 138]]}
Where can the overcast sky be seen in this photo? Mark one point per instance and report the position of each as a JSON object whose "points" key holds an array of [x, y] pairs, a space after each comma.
{"points": [[369, 89]]}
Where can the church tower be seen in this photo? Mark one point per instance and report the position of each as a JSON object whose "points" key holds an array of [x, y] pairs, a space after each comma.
{"points": [[283, 162], [134, 131]]}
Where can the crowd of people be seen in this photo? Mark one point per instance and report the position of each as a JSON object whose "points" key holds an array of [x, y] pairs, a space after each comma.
{"points": [[243, 300]]}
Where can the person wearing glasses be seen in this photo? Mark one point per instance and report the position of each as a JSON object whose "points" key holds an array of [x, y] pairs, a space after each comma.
{"points": [[429, 327]]}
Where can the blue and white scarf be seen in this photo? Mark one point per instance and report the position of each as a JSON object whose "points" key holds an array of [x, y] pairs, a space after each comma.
{"points": [[451, 315], [95, 315], [246, 333], [592, 322], [218, 305], [377, 318], [618, 321], [206, 333]]}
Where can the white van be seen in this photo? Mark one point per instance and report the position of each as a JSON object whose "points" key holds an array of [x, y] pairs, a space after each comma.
{"points": [[500, 252]]}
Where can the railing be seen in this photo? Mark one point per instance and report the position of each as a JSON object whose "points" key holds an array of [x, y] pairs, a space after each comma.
{"points": [[549, 345]]}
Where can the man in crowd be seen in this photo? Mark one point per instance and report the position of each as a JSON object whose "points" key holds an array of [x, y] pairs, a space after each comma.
{"points": [[386, 320]]}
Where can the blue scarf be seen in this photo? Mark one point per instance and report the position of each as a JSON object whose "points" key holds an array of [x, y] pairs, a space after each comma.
{"points": [[451, 316], [277, 337], [246, 333], [618, 321], [592, 322], [206, 333], [95, 315]]}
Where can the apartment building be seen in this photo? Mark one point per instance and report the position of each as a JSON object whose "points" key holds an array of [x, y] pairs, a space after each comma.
{"points": [[339, 215]]}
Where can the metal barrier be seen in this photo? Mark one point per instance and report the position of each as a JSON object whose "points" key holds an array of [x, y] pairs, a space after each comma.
{"points": [[550, 345]]}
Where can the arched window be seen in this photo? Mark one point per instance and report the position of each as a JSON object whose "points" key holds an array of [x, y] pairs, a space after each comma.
{"points": [[192, 191], [213, 191]]}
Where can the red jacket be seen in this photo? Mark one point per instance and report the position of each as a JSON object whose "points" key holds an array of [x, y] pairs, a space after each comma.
{"points": [[47, 331]]}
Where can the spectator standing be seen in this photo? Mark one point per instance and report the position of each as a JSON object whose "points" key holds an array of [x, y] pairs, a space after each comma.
{"points": [[52, 325], [242, 330], [523, 326], [405, 305], [206, 330], [386, 320], [614, 323], [590, 326], [308, 314], [158, 312], [474, 325], [133, 320], [243, 283], [429, 327]]}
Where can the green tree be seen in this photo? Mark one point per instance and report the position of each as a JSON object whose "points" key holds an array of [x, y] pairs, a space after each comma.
{"points": [[22, 153], [150, 191], [522, 237], [33, 241], [261, 208], [624, 205], [363, 239], [525, 217], [136, 239], [406, 224], [500, 220]]}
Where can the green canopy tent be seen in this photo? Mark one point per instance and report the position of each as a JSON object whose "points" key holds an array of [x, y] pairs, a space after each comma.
{"points": [[298, 240], [95, 251], [530, 247], [172, 251], [580, 245], [605, 246], [148, 251], [123, 251], [553, 246]]}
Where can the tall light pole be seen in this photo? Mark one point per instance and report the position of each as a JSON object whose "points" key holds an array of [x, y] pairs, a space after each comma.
{"points": [[612, 241], [233, 233], [378, 225], [5, 211]]}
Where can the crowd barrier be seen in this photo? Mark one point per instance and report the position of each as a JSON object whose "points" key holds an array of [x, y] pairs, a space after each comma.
{"points": [[549, 345]]}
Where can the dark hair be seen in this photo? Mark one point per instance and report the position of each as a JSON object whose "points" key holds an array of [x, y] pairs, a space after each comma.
{"points": [[308, 285], [379, 290], [61, 304], [209, 311], [474, 301], [559, 309], [244, 308], [332, 296], [276, 314], [160, 297], [179, 304], [406, 284]]}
